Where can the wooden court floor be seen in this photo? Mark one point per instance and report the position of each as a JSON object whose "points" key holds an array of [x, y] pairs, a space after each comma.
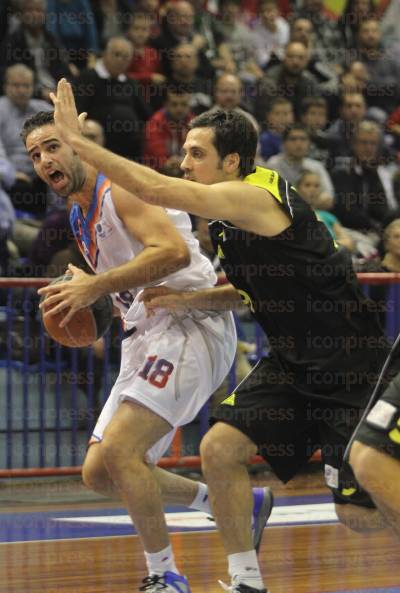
{"points": [[309, 557]]}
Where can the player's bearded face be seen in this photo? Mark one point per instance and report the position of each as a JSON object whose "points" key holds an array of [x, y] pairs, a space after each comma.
{"points": [[202, 162], [55, 162]]}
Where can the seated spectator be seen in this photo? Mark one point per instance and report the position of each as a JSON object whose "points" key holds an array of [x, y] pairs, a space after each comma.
{"points": [[314, 116], [325, 73], [360, 198], [393, 125], [289, 79], [184, 68], [383, 87], [391, 243], [177, 28], [107, 95], [340, 134], [166, 131], [145, 66], [328, 38], [309, 187], [112, 17], [354, 12], [271, 33], [294, 159], [7, 221], [278, 117], [241, 42], [31, 44], [209, 38], [94, 131], [72, 21], [27, 192], [228, 95], [151, 8]]}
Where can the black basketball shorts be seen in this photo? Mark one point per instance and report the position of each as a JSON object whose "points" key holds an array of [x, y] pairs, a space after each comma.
{"points": [[288, 427]]}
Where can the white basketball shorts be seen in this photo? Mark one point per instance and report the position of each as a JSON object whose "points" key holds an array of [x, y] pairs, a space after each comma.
{"points": [[172, 365]]}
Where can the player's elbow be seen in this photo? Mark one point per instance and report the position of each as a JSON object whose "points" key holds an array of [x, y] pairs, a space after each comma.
{"points": [[181, 256]]}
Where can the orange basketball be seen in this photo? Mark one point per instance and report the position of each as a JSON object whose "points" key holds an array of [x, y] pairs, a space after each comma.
{"points": [[86, 326]]}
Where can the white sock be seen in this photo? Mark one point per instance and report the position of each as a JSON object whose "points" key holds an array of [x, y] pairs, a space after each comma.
{"points": [[160, 562], [201, 501], [243, 568]]}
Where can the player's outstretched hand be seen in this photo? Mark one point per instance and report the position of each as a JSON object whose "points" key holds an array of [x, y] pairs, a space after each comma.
{"points": [[65, 114], [161, 297], [69, 296]]}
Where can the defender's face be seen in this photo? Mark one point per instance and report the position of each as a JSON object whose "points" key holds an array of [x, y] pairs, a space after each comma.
{"points": [[202, 162], [54, 161]]}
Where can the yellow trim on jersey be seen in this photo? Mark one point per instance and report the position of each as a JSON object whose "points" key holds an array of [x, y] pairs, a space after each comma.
{"points": [[394, 435], [229, 401], [266, 179], [348, 491], [246, 298]]}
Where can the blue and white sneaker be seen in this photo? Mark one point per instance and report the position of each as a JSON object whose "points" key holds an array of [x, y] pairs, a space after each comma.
{"points": [[169, 582], [263, 503]]}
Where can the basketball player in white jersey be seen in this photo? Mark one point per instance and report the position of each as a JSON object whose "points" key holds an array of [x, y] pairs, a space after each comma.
{"points": [[170, 364]]}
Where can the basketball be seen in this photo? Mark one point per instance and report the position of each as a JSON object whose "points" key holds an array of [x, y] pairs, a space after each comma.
{"points": [[86, 326]]}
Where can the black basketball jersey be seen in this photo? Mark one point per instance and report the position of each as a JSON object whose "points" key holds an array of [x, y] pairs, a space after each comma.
{"points": [[301, 288]]}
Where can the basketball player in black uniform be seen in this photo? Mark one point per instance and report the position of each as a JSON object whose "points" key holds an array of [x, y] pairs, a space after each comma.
{"points": [[326, 344]]}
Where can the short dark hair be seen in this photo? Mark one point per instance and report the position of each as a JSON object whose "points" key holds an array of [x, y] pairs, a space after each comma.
{"points": [[40, 119], [296, 126], [276, 101], [233, 132], [309, 102]]}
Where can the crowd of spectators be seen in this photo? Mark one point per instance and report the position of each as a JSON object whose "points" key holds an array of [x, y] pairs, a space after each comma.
{"points": [[322, 92]]}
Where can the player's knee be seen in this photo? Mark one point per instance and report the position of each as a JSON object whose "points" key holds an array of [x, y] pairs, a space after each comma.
{"points": [[224, 445], [365, 463], [94, 476]]}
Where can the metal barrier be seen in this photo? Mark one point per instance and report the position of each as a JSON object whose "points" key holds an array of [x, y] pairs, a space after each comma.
{"points": [[50, 395]]}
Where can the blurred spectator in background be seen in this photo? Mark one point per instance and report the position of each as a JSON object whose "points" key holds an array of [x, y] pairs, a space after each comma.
{"points": [[240, 40], [145, 66], [209, 38], [271, 33], [383, 87], [278, 117], [309, 187], [107, 95], [7, 221], [32, 45], [354, 12], [73, 22], [314, 116], [302, 30], [328, 38], [184, 68], [166, 132], [391, 245], [93, 130], [360, 199], [340, 134], [228, 95], [289, 79], [151, 9], [112, 18], [294, 159], [7, 12], [27, 192], [177, 27]]}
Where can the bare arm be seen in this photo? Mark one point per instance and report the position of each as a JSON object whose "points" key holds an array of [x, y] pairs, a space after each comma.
{"points": [[164, 252], [219, 298], [258, 213]]}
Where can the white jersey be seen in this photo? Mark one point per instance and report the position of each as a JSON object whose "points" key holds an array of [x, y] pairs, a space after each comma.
{"points": [[105, 243]]}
